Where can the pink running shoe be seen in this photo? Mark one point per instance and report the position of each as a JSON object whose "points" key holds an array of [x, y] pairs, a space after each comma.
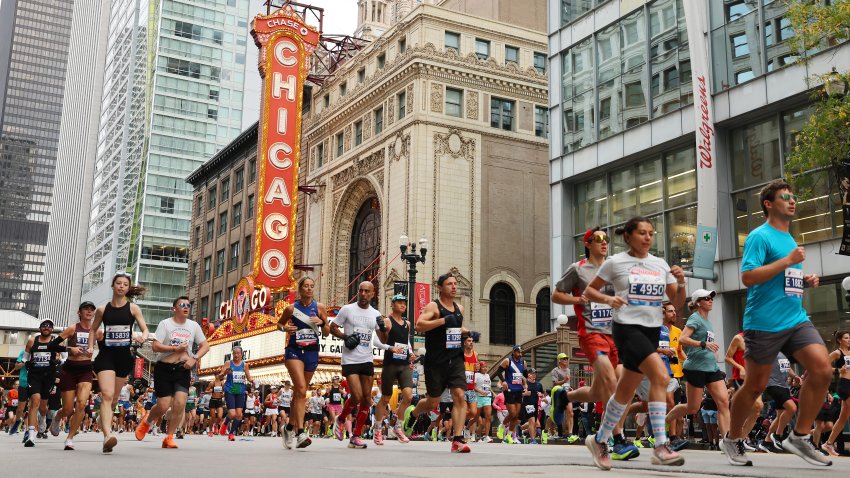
{"points": [[399, 433], [339, 432], [379, 437], [356, 442], [460, 447]]}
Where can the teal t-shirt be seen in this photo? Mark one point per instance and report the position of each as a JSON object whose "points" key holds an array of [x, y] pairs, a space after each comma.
{"points": [[22, 379], [777, 304], [700, 359]]}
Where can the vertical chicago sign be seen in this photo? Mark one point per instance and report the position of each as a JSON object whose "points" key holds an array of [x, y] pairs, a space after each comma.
{"points": [[286, 43]]}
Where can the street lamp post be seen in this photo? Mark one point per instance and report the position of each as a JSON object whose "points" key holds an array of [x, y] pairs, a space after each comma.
{"points": [[412, 258]]}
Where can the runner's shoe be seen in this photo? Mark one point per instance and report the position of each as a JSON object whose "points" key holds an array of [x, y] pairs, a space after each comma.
{"points": [[379, 437], [651, 440], [749, 448], [143, 428], [663, 455], [109, 443], [624, 451], [500, 432], [829, 448], [230, 437], [287, 436], [409, 421], [679, 444], [735, 452], [400, 435], [69, 445], [28, 439], [802, 446], [356, 442], [460, 447], [572, 439], [599, 452], [222, 430], [54, 428], [508, 439], [168, 442], [303, 441], [637, 443], [339, 431], [486, 439], [777, 442]]}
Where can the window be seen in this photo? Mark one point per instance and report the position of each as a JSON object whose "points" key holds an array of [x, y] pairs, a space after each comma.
{"points": [[402, 45], [222, 223], [454, 102], [365, 244], [544, 320], [211, 198], [197, 236], [740, 47], [246, 253], [541, 122], [207, 267], [326, 100], [511, 55], [200, 206], [234, 257], [219, 262], [339, 145], [210, 230], [482, 48], [361, 75], [320, 155], [573, 9], [342, 89], [225, 190], [379, 120], [193, 274], [401, 99], [381, 60], [744, 76], [501, 113], [216, 304], [236, 215], [250, 212], [239, 181], [452, 40], [502, 314], [252, 171], [540, 62], [358, 133], [205, 308]]}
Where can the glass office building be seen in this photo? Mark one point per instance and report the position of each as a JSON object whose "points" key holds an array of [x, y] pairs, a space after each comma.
{"points": [[173, 95], [623, 144]]}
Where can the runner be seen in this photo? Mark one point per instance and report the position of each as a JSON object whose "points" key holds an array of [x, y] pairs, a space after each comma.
{"points": [[23, 398], [237, 375], [124, 405], [775, 321], [251, 404], [513, 369], [562, 414], [780, 393], [216, 391], [41, 360], [470, 364], [335, 399], [531, 396], [302, 321], [272, 410], [75, 378], [115, 361], [640, 281], [444, 363], [840, 359], [174, 341], [190, 414], [359, 320], [594, 334], [484, 400], [735, 359], [700, 368], [674, 358], [397, 368]]}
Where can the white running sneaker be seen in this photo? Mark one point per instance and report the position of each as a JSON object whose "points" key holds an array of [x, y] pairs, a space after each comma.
{"points": [[802, 446], [734, 451], [287, 436], [303, 441]]}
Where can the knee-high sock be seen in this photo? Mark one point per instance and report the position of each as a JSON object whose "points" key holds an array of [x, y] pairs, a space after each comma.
{"points": [[613, 412], [349, 405], [362, 415], [657, 413]]}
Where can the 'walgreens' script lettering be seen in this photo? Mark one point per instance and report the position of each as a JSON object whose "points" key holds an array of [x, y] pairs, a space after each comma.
{"points": [[705, 142]]}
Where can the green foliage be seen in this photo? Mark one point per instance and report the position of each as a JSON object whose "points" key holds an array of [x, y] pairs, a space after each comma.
{"points": [[825, 138]]}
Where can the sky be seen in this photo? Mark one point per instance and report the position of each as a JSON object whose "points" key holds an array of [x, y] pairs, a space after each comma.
{"points": [[340, 15]]}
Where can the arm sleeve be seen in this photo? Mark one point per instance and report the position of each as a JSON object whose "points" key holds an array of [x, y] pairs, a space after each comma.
{"points": [[55, 344], [376, 341], [569, 280], [755, 251]]}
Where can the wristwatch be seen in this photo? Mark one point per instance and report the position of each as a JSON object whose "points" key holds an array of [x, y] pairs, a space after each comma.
{"points": [[702, 344]]}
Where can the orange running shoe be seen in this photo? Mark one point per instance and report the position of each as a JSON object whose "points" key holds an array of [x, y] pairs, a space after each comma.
{"points": [[168, 442], [143, 428]]}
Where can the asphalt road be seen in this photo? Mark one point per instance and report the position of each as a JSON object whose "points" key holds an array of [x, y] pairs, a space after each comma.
{"points": [[216, 457]]}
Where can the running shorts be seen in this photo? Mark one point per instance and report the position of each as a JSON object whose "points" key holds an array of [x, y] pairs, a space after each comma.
{"points": [[335, 407], [169, 379], [73, 374], [843, 389], [528, 411], [446, 410], [595, 344], [700, 379], [513, 397], [763, 347], [396, 372], [635, 343], [363, 369], [779, 395], [216, 403], [235, 401], [310, 358], [643, 388], [470, 396], [484, 401], [117, 359], [271, 412], [709, 417], [439, 376], [40, 383]]}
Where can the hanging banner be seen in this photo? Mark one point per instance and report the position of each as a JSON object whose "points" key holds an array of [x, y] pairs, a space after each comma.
{"points": [[705, 245], [421, 297], [286, 44], [139, 368], [843, 176]]}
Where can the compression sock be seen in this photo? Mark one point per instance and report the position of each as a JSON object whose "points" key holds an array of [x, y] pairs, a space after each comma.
{"points": [[613, 412], [657, 413], [362, 416], [349, 405]]}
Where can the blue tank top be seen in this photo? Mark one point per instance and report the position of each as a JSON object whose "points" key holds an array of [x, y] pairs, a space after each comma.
{"points": [[305, 337], [514, 374], [235, 383]]}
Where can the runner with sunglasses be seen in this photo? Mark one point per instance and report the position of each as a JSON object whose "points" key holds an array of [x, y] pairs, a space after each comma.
{"points": [[236, 373], [41, 358], [775, 321]]}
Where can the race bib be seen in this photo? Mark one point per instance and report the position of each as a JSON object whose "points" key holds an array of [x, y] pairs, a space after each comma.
{"points": [[365, 336], [847, 360], [709, 336], [83, 340], [600, 314], [117, 335], [664, 344], [337, 397], [306, 337], [41, 359], [485, 386], [470, 377], [529, 409], [646, 287], [239, 377], [453, 337], [784, 365], [218, 389], [794, 283], [403, 354], [516, 379], [14, 402]]}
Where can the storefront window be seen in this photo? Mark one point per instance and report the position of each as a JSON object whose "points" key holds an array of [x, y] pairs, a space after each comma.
{"points": [[755, 153]]}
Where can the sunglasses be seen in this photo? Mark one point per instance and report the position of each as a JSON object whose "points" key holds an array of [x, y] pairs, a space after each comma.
{"points": [[788, 197], [707, 298], [185, 306], [598, 238]]}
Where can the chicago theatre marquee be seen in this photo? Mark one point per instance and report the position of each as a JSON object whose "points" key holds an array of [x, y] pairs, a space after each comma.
{"points": [[437, 128]]}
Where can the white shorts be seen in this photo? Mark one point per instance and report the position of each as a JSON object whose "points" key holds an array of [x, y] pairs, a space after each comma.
{"points": [[271, 412], [502, 414], [640, 419], [643, 389]]}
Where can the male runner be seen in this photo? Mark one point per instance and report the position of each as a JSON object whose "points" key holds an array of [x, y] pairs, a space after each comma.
{"points": [[442, 323], [397, 359], [513, 369], [775, 321], [779, 391], [562, 409], [23, 397], [676, 357], [359, 320], [174, 341], [470, 363], [735, 359]]}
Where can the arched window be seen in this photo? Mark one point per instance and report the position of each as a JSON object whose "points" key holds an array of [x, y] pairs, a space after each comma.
{"points": [[544, 321], [502, 314], [365, 247]]}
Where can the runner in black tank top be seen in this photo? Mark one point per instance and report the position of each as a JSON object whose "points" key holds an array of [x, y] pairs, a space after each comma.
{"points": [[115, 360], [41, 364], [397, 359]]}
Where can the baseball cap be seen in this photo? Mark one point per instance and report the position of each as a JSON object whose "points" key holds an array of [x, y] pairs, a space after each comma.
{"points": [[399, 297], [517, 347], [87, 303], [588, 235], [443, 278], [45, 322], [532, 370], [702, 294], [562, 355]]}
